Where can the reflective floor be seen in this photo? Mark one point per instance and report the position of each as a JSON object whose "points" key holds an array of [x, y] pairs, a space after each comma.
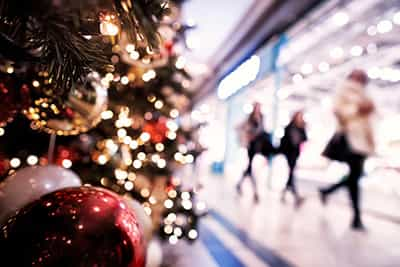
{"points": [[238, 233]]}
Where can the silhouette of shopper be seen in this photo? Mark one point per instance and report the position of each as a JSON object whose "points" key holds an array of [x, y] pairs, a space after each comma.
{"points": [[294, 136], [353, 140]]}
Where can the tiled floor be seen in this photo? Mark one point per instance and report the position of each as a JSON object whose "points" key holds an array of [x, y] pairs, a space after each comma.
{"points": [[238, 233]]}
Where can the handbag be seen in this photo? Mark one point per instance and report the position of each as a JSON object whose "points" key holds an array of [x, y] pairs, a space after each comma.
{"points": [[337, 148], [264, 145]]}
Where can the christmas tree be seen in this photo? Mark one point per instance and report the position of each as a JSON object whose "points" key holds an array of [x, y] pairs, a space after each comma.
{"points": [[104, 78]]}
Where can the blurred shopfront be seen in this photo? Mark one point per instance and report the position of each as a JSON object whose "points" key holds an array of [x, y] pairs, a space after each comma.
{"points": [[315, 55]]}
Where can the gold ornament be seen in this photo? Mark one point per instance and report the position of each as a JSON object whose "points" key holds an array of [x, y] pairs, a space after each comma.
{"points": [[79, 113]]}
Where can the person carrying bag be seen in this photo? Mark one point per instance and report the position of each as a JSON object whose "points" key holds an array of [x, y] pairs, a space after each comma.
{"points": [[353, 140]]}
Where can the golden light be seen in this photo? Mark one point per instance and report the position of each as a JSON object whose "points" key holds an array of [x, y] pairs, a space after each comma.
{"points": [[107, 114], [193, 234], [134, 144], [180, 62], [2, 131], [161, 163], [187, 204], [174, 113], [124, 80], [141, 156], [178, 157], [134, 55], [15, 162], [102, 159], [10, 69], [171, 135], [66, 163], [168, 203], [130, 48], [172, 126], [128, 186], [127, 140], [155, 158], [173, 239], [131, 176], [120, 174], [168, 229], [172, 193], [172, 217], [35, 83], [151, 98], [145, 136], [148, 75], [32, 160], [152, 200], [189, 158], [185, 195], [160, 147], [158, 104], [178, 231], [109, 76], [108, 25], [145, 192], [201, 206], [121, 133], [137, 164]]}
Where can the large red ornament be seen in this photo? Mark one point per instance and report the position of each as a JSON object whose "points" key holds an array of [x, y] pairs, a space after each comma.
{"points": [[157, 130], [78, 227]]}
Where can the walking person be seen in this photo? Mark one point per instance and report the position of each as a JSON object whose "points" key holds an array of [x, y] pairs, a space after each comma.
{"points": [[294, 136], [353, 140], [250, 131]]}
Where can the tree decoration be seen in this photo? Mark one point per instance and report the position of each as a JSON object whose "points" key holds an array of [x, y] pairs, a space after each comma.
{"points": [[79, 113], [71, 57], [59, 36], [83, 226], [29, 184]]}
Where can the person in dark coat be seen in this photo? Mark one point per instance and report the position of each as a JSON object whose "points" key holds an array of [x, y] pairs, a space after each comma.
{"points": [[250, 132], [294, 136]]}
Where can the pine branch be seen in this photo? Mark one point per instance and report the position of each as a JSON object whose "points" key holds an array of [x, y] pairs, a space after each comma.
{"points": [[140, 18]]}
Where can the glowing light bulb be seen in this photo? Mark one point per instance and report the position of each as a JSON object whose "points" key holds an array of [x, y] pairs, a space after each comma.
{"points": [[15, 162], [32, 160], [108, 25]]}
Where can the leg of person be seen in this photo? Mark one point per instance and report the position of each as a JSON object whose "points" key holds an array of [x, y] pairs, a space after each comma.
{"points": [[356, 167], [324, 192], [289, 183], [254, 183], [248, 171]]}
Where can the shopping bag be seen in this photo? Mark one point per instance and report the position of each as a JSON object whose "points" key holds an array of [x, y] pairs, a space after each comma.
{"points": [[337, 148], [265, 146]]}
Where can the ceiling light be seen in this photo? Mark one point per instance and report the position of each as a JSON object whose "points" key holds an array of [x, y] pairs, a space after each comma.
{"points": [[307, 68], [396, 18], [374, 73], [384, 26], [340, 19], [356, 51], [240, 77], [336, 53], [297, 78], [323, 67]]}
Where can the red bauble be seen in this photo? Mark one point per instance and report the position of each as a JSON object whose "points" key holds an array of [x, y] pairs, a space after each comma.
{"points": [[83, 226], [157, 131]]}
